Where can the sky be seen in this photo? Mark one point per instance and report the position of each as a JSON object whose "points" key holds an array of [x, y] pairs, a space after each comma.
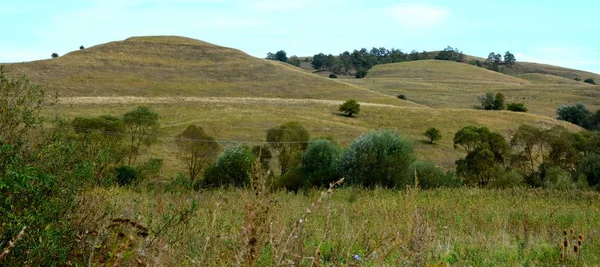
{"points": [[563, 33]]}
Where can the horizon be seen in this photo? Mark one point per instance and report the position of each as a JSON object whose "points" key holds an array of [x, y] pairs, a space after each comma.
{"points": [[309, 27]]}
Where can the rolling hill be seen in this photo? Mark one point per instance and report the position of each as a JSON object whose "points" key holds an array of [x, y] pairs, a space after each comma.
{"points": [[236, 97]]}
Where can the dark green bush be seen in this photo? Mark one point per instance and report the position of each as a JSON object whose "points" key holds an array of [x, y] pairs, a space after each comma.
{"points": [[292, 180], [332, 76], [403, 97], [431, 176], [503, 178], [590, 168], [126, 175], [320, 162], [151, 168], [378, 159], [233, 168], [590, 81], [517, 107], [360, 74]]}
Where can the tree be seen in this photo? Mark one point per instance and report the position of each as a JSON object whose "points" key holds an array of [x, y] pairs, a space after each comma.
{"points": [[485, 151], [141, 125], [492, 101], [350, 107], [433, 134], [318, 61], [378, 159], [576, 114], [54, 55], [281, 56], [233, 167], [590, 167], [81, 47], [289, 140], [197, 149], [320, 162], [493, 61], [528, 144], [498, 102], [509, 59], [294, 60]]}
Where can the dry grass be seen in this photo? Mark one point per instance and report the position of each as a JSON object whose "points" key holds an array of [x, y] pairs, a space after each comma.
{"points": [[461, 227]]}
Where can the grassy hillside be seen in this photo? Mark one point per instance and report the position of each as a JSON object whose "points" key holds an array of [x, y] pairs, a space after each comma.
{"points": [[529, 67], [442, 84], [176, 66]]}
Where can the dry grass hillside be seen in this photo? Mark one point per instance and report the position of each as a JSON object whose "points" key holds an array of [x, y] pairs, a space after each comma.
{"points": [[177, 66], [442, 84]]}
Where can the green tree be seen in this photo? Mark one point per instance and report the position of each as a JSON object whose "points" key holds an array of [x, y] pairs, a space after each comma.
{"points": [[509, 59], [281, 56], [485, 151], [142, 126], [289, 140], [431, 176], [320, 162], [54, 55], [433, 134], [590, 81], [492, 101], [294, 60], [318, 61], [233, 167], [528, 146], [198, 150], [590, 167], [350, 107], [498, 102], [378, 159], [576, 114]]}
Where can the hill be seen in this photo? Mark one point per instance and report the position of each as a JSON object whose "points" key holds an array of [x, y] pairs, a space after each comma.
{"points": [[177, 66]]}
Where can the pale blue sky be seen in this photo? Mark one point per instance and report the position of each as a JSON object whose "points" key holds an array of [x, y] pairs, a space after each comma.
{"points": [[564, 33]]}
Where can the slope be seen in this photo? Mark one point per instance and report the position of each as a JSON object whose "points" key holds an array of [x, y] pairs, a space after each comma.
{"points": [[176, 66]]}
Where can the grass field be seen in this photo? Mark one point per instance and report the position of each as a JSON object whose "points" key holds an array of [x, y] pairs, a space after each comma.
{"points": [[460, 227]]}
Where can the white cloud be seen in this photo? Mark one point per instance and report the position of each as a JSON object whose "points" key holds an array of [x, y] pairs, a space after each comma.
{"points": [[417, 15]]}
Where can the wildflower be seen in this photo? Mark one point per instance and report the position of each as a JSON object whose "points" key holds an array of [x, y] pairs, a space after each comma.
{"points": [[356, 257]]}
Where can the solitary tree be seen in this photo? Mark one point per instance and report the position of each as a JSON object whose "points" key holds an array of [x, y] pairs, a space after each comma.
{"points": [[81, 47], [54, 55], [350, 107], [289, 140], [509, 59], [198, 150], [281, 56], [142, 125], [433, 134]]}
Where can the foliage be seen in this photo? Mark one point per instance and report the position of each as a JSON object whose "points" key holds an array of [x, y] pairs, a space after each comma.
{"points": [[197, 149], [294, 60], [493, 61], [576, 114], [485, 151], [350, 107], [433, 134], [557, 178], [289, 140], [378, 159], [431, 176], [516, 107], [141, 125], [126, 175], [451, 54], [279, 55], [54, 55], [360, 74], [320, 162], [151, 168], [232, 168], [590, 81], [403, 97], [590, 167], [509, 59], [293, 180], [504, 178], [81, 47], [20, 105], [332, 76], [492, 101]]}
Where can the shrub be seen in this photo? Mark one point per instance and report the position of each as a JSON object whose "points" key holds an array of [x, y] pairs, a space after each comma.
{"points": [[54, 55], [590, 81], [503, 178], [126, 175], [81, 47], [350, 107], [590, 168], [492, 101], [517, 107], [292, 180], [403, 97], [557, 178], [576, 114], [431, 176], [289, 140], [321, 161], [433, 134], [377, 159], [233, 167], [360, 74], [577, 79], [151, 168], [332, 76]]}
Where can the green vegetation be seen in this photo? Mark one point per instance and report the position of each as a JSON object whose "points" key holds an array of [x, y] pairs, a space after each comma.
{"points": [[198, 150], [433, 134], [492, 101], [321, 162], [516, 107], [590, 81], [350, 107], [232, 168], [141, 125], [289, 140]]}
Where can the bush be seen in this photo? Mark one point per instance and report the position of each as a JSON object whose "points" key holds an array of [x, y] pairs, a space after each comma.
{"points": [[590, 81], [433, 134], [360, 74], [233, 167], [516, 107], [126, 175], [54, 55], [151, 168], [577, 79], [320, 162], [332, 76], [503, 178], [378, 159], [492, 101], [292, 180], [431, 176], [590, 168], [350, 107], [576, 114], [403, 97], [557, 178]]}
